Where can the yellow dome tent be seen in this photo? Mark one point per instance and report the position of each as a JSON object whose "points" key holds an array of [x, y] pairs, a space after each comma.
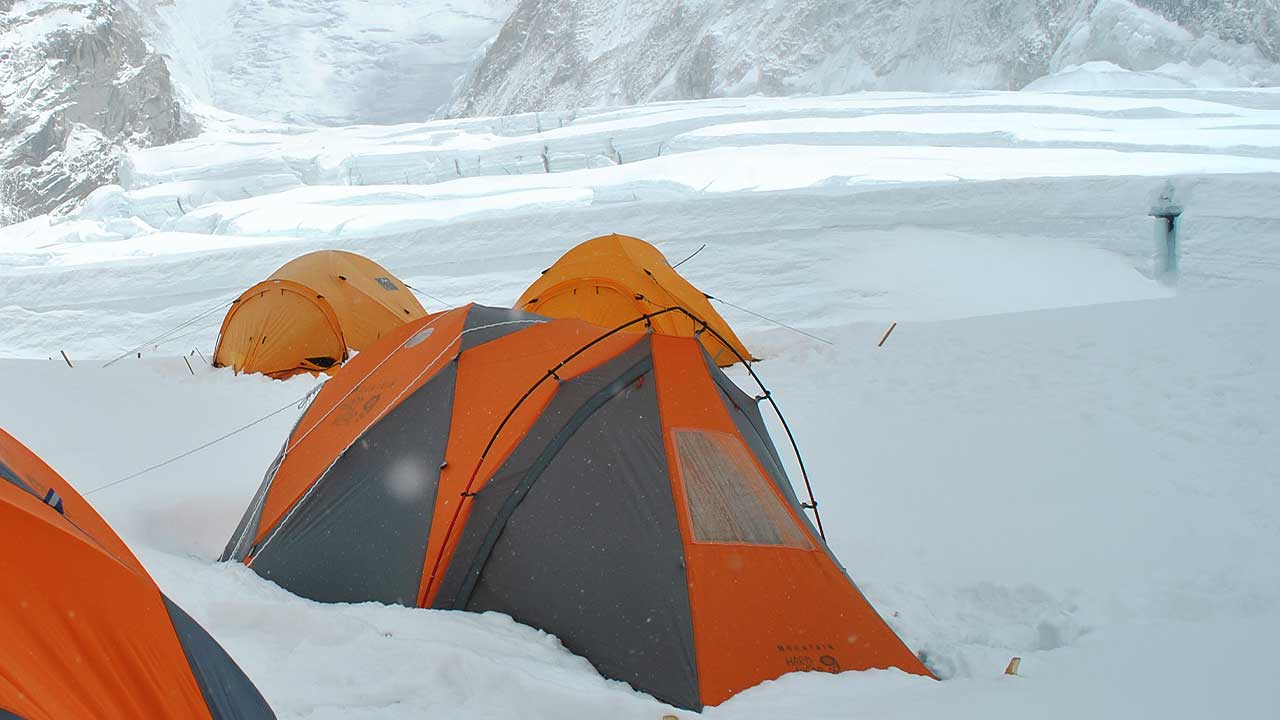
{"points": [[614, 279], [307, 315]]}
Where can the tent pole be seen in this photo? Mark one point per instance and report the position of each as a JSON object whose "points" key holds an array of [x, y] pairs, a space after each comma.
{"points": [[647, 320]]}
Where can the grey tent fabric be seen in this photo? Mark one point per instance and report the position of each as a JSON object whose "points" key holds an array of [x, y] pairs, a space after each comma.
{"points": [[577, 534], [485, 324], [229, 694], [13, 477], [6, 715], [361, 532], [241, 542], [501, 494]]}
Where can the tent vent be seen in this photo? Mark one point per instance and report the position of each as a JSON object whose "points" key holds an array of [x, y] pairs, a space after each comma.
{"points": [[729, 500], [419, 336], [54, 500]]}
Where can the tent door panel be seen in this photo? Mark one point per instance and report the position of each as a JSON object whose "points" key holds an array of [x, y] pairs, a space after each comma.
{"points": [[595, 300], [577, 535]]}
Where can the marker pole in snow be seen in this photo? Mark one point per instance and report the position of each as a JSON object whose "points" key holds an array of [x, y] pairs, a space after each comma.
{"points": [[1168, 211], [886, 335]]}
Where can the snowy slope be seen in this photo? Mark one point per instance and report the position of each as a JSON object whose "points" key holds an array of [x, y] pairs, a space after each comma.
{"points": [[1239, 20], [235, 204], [1090, 489], [1141, 40], [326, 62], [1054, 455], [555, 54]]}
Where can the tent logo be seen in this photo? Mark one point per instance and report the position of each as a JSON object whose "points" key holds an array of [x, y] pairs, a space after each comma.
{"points": [[829, 663], [387, 283], [360, 404], [349, 412]]}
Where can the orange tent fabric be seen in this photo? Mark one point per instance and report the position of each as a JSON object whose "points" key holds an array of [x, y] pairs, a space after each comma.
{"points": [[84, 631], [615, 489], [313, 309], [613, 279]]}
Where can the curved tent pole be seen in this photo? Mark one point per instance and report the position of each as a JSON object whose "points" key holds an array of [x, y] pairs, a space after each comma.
{"points": [[646, 319], [791, 438]]}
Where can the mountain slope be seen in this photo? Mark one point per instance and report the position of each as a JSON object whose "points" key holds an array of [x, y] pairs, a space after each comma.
{"points": [[554, 54], [323, 62], [1243, 21], [78, 84]]}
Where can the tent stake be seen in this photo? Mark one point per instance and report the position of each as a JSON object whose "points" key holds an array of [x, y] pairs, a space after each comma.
{"points": [[64, 357]]}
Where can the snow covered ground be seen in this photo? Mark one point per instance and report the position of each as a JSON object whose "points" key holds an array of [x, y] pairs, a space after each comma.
{"points": [[1055, 455], [323, 62]]}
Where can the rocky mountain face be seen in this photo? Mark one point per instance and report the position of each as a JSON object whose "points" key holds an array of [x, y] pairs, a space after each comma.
{"points": [[1242, 21], [573, 53], [78, 85]]}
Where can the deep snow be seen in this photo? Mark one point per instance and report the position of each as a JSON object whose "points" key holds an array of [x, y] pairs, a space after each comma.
{"points": [[1054, 455]]}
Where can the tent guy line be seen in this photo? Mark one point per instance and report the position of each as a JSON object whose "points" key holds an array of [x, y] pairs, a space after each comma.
{"points": [[769, 319], [429, 296], [298, 404], [168, 333]]}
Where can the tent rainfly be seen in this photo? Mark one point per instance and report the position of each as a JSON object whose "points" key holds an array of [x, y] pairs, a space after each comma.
{"points": [[612, 279], [310, 313]]}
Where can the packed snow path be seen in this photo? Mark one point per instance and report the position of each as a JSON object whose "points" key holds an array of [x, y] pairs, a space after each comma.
{"points": [[1053, 456]]}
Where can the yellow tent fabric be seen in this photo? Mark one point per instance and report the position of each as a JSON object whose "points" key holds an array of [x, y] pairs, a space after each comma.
{"points": [[313, 309], [613, 279]]}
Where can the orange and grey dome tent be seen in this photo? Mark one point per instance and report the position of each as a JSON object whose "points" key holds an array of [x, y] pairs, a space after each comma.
{"points": [[614, 279], [84, 631], [307, 315], [615, 489]]}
